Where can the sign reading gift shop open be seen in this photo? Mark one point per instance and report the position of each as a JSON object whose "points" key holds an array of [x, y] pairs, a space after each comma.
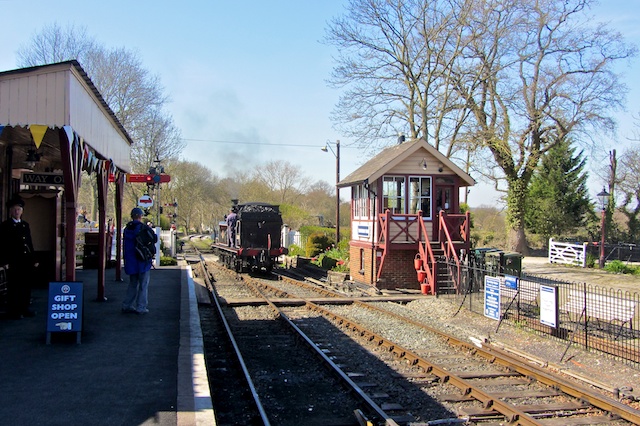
{"points": [[64, 313]]}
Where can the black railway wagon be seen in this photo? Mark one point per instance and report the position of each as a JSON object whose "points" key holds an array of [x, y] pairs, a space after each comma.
{"points": [[258, 238]]}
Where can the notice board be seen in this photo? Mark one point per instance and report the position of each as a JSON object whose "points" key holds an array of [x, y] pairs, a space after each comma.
{"points": [[64, 312]]}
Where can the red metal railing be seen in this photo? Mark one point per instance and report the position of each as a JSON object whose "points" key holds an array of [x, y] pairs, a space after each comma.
{"points": [[453, 234], [428, 258], [402, 229]]}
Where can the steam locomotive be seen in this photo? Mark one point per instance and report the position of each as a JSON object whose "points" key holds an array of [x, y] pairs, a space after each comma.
{"points": [[257, 241]]}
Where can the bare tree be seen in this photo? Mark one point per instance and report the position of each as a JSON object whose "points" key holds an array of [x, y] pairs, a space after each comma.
{"points": [[158, 139], [396, 60], [131, 91], [198, 193], [135, 96], [511, 77], [56, 44], [283, 179], [534, 73], [628, 184]]}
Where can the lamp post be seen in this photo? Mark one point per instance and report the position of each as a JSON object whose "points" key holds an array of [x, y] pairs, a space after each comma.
{"points": [[336, 153], [604, 199]]}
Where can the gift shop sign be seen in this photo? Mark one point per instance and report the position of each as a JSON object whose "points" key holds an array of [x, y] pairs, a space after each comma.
{"points": [[65, 307]]}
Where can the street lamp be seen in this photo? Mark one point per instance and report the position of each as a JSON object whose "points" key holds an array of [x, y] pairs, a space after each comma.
{"points": [[604, 199], [336, 153]]}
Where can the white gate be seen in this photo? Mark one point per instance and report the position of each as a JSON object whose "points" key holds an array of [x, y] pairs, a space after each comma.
{"points": [[569, 254]]}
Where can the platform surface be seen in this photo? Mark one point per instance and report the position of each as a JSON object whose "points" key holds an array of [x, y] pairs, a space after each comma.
{"points": [[129, 369]]}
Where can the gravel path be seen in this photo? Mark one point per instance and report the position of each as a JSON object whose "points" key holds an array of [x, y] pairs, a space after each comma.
{"points": [[441, 313]]}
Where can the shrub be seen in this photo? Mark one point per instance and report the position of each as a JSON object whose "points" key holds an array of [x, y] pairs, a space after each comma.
{"points": [[168, 261], [317, 243], [335, 259], [295, 250], [619, 267]]}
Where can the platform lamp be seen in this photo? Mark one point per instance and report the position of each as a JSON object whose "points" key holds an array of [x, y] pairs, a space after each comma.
{"points": [[336, 153], [604, 200]]}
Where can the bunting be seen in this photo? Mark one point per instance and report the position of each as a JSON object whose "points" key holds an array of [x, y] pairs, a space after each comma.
{"points": [[70, 136], [37, 132], [89, 161]]}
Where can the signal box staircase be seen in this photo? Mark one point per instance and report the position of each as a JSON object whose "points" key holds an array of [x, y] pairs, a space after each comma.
{"points": [[452, 245]]}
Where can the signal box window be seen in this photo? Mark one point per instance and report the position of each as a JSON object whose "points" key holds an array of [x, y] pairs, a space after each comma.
{"points": [[393, 195], [420, 196]]}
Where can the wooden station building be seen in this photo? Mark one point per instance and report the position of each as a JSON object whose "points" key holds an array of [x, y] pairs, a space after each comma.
{"points": [[54, 124], [405, 207]]}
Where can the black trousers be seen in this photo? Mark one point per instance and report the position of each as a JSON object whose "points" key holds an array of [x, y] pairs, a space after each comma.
{"points": [[19, 276]]}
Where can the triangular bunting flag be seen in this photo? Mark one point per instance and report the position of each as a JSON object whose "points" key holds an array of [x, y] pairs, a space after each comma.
{"points": [[69, 131], [37, 132]]}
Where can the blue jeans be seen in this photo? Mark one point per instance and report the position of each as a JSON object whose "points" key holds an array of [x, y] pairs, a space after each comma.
{"points": [[137, 292]]}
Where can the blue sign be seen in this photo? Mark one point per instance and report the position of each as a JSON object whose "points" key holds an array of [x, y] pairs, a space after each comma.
{"points": [[65, 307], [511, 282], [492, 297]]}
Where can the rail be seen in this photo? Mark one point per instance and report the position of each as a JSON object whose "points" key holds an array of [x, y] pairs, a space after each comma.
{"points": [[357, 390], [236, 348], [492, 403], [501, 357], [517, 414]]}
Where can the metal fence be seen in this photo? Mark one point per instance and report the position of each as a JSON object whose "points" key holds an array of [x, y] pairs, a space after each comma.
{"points": [[594, 317], [621, 251]]}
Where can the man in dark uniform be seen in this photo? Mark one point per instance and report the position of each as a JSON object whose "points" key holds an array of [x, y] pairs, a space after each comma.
{"points": [[232, 220], [16, 251]]}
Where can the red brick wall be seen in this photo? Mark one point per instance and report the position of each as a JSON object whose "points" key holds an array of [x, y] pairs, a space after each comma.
{"points": [[366, 276], [398, 270]]}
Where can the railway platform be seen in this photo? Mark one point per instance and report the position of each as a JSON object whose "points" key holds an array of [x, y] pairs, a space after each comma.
{"points": [[128, 369]]}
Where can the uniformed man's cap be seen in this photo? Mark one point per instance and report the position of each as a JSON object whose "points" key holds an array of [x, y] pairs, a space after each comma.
{"points": [[15, 201]]}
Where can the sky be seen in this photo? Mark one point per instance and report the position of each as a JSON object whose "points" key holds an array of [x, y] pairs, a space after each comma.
{"points": [[247, 80]]}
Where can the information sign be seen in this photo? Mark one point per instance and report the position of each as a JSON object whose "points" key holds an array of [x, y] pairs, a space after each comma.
{"points": [[492, 297], [549, 306], [65, 308], [511, 282]]}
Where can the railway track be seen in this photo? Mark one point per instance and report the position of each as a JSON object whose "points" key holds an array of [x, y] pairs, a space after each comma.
{"points": [[441, 377], [287, 385]]}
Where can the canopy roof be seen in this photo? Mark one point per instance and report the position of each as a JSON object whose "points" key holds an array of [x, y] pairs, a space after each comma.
{"points": [[47, 98]]}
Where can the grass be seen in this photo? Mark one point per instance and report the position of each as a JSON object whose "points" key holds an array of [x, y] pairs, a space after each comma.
{"points": [[619, 267]]}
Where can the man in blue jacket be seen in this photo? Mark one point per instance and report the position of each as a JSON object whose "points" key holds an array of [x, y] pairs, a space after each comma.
{"points": [[138, 270]]}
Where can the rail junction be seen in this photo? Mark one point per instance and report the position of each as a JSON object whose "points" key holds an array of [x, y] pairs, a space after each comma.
{"points": [[385, 366]]}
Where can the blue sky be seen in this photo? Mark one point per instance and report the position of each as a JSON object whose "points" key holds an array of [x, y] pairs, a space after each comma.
{"points": [[250, 71]]}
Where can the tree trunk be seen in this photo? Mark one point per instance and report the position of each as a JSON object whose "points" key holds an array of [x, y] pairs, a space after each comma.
{"points": [[516, 196]]}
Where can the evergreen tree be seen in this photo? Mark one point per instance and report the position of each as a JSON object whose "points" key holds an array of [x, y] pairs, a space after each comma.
{"points": [[558, 195]]}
